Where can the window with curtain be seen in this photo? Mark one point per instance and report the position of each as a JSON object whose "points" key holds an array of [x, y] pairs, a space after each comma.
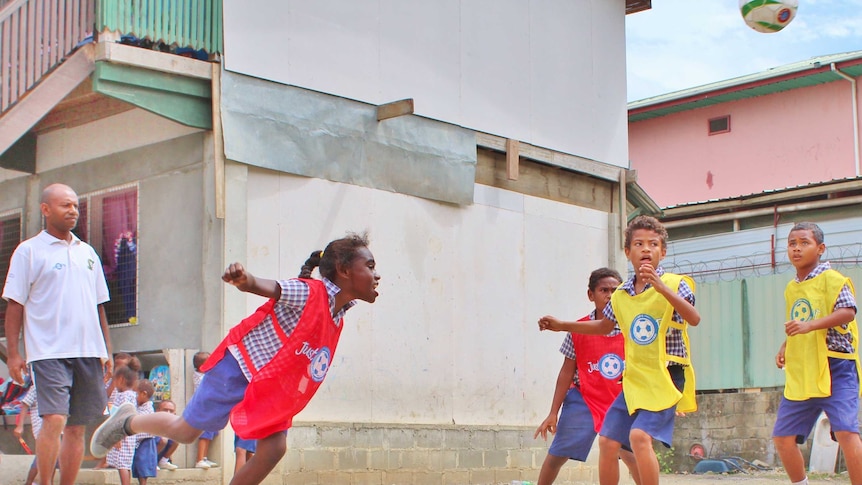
{"points": [[10, 236], [108, 221]]}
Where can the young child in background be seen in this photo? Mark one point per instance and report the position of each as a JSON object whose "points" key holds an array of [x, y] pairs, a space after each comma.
{"points": [[653, 309], [121, 455], [588, 383], [30, 404], [166, 447], [145, 460], [271, 364], [208, 436], [820, 357], [121, 359]]}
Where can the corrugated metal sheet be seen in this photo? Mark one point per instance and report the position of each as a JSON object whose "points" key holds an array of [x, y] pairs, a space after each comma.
{"points": [[764, 316], [715, 344], [741, 330]]}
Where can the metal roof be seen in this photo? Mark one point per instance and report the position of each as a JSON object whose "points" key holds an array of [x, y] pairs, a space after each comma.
{"points": [[817, 190], [633, 6], [817, 70]]}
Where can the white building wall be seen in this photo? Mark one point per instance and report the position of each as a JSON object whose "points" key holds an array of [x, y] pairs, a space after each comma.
{"points": [[548, 72], [453, 336]]}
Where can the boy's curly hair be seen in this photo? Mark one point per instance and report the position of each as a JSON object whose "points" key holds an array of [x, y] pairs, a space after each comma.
{"points": [[645, 222]]}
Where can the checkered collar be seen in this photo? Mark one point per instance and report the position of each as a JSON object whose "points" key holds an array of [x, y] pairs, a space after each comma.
{"points": [[820, 268]]}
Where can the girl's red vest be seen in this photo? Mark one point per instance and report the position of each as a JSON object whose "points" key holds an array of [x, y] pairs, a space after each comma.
{"points": [[600, 362], [282, 388]]}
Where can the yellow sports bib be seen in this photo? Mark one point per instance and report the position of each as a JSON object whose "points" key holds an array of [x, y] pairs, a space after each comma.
{"points": [[644, 320], [806, 356]]}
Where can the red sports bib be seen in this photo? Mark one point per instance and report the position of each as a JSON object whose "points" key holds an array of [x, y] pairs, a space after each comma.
{"points": [[600, 361], [283, 387]]}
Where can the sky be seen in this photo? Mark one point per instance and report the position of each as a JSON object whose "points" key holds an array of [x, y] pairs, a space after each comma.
{"points": [[680, 44]]}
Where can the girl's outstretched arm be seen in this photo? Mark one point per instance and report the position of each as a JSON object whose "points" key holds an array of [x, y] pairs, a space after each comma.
{"points": [[236, 275]]}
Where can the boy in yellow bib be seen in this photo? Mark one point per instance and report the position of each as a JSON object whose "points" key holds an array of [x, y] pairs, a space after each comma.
{"points": [[820, 356], [652, 309]]}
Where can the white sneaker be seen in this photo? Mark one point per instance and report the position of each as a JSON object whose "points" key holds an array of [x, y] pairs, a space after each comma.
{"points": [[211, 463], [166, 464], [203, 464]]}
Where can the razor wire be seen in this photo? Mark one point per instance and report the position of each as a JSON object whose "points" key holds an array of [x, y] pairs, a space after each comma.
{"points": [[758, 264]]}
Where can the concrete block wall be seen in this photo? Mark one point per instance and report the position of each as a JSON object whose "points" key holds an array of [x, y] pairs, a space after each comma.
{"points": [[730, 424], [379, 454]]}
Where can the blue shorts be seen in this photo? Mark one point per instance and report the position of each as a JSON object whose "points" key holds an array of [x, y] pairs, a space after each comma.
{"points": [[164, 451], [145, 463], [797, 418], [658, 424], [575, 429], [221, 388], [247, 445]]}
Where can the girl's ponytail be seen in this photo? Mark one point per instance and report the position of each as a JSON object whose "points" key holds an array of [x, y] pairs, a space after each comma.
{"points": [[312, 262]]}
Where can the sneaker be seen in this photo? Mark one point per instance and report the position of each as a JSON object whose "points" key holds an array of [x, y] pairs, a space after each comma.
{"points": [[211, 463], [112, 430], [203, 464], [166, 464]]}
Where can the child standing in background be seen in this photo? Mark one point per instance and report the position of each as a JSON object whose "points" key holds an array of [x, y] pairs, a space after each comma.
{"points": [[30, 404], [121, 455], [166, 447], [145, 461], [208, 436]]}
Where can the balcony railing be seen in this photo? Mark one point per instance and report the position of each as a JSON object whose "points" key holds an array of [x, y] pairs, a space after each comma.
{"points": [[35, 36], [195, 24]]}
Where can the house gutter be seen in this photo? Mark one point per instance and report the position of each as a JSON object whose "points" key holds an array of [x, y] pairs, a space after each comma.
{"points": [[855, 108], [730, 216]]}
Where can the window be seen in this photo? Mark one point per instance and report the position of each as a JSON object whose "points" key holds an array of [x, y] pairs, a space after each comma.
{"points": [[719, 125], [108, 221], [10, 236]]}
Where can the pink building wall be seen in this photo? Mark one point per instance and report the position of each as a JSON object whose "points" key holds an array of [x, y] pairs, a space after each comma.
{"points": [[777, 140]]}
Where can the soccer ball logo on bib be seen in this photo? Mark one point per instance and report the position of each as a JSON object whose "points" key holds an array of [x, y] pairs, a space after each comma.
{"points": [[801, 310], [319, 364], [611, 366], [644, 329]]}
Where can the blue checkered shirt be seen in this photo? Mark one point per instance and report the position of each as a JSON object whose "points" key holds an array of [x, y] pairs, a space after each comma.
{"points": [[262, 342], [568, 347], [673, 339], [836, 341]]}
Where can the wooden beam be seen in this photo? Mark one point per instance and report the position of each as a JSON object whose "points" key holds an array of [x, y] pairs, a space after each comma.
{"points": [[40, 100], [157, 61], [83, 110], [624, 217], [574, 163], [394, 109], [513, 158], [218, 142]]}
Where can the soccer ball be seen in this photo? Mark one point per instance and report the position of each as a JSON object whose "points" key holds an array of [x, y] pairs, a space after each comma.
{"points": [[768, 15]]}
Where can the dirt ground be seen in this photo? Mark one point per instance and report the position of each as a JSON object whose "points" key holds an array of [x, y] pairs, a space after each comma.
{"points": [[757, 478]]}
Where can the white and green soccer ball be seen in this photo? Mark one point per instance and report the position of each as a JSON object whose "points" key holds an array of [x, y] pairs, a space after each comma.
{"points": [[768, 15]]}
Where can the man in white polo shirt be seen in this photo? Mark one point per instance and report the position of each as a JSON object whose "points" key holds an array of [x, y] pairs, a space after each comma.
{"points": [[55, 289]]}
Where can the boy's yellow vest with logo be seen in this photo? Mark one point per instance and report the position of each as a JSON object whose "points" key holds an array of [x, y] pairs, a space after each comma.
{"points": [[644, 320], [806, 356]]}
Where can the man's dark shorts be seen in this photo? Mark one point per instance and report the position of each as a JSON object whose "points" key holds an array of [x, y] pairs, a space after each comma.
{"points": [[71, 387]]}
